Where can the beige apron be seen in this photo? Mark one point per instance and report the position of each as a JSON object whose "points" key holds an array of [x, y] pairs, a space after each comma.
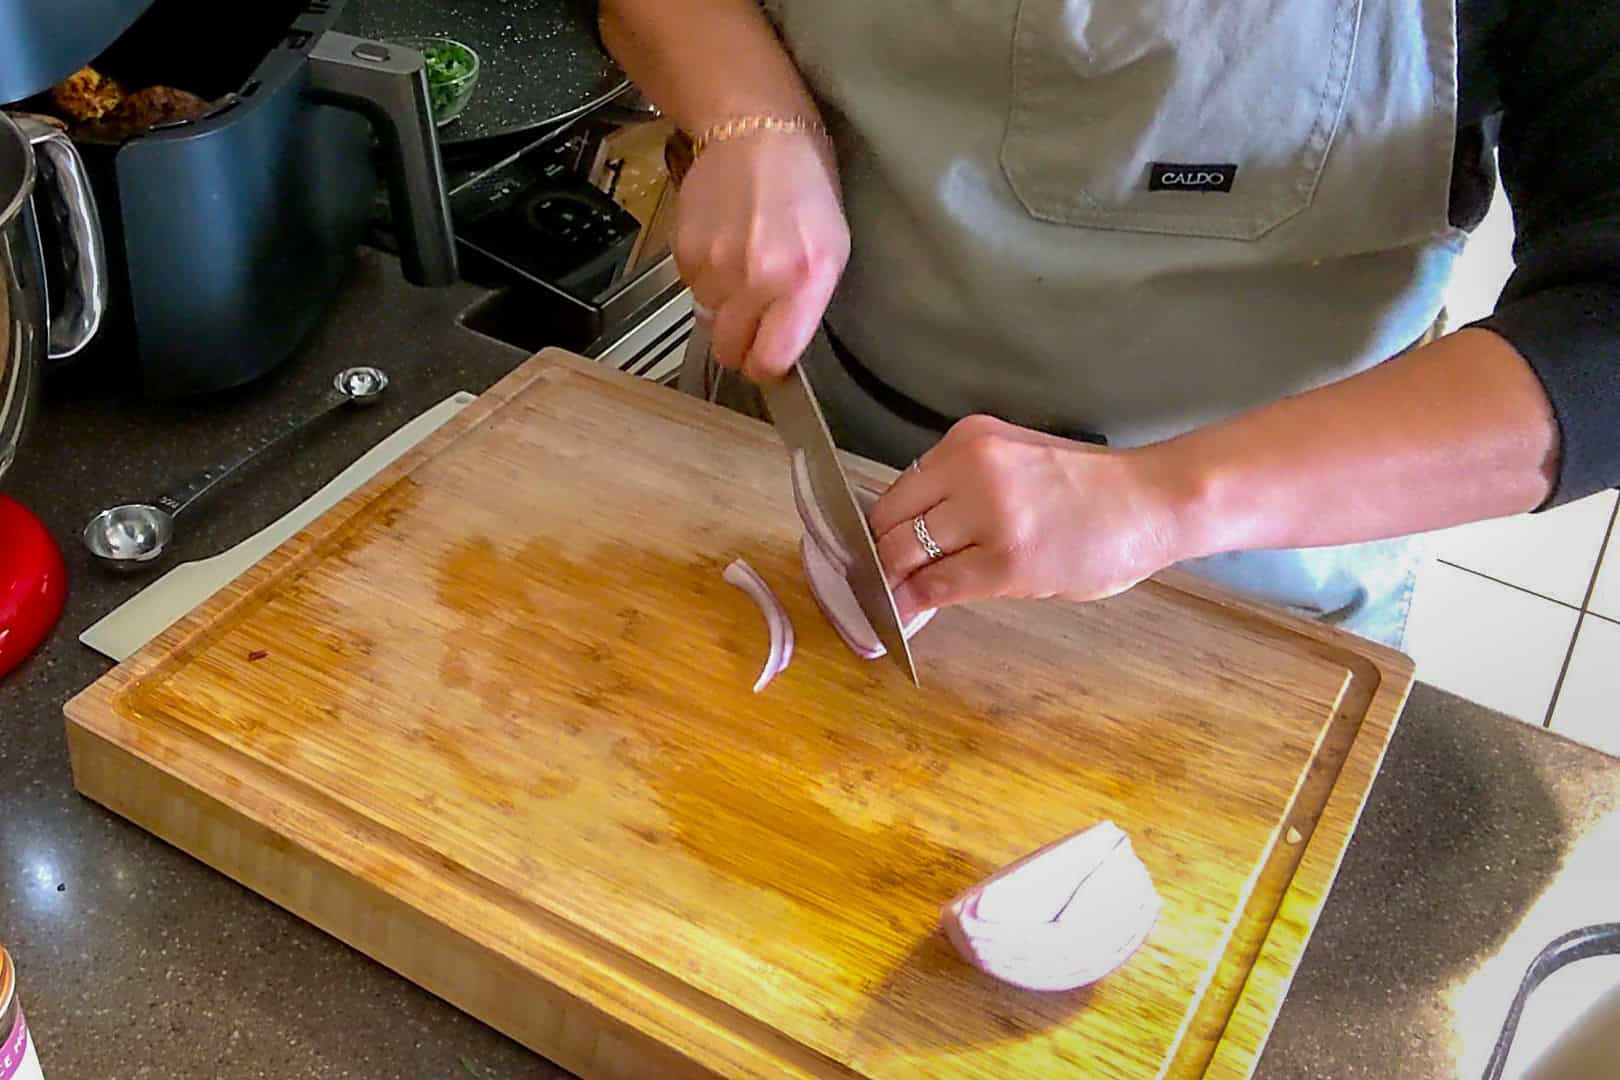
{"points": [[1136, 218]]}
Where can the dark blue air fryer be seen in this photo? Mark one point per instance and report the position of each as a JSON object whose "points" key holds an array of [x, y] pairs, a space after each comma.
{"points": [[229, 232]]}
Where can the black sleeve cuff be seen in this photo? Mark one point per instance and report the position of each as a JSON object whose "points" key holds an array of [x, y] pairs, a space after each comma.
{"points": [[1570, 334]]}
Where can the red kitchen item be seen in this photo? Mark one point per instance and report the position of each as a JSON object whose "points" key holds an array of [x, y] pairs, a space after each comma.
{"points": [[33, 583]]}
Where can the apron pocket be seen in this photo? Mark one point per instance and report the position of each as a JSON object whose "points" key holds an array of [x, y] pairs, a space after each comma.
{"points": [[1186, 117]]}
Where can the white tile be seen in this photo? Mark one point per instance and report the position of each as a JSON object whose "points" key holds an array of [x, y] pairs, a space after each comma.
{"points": [[1487, 642], [1553, 553], [1589, 704], [1606, 593]]}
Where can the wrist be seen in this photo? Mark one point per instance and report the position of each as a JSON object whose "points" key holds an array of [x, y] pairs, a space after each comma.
{"points": [[748, 134], [757, 125], [1186, 493]]}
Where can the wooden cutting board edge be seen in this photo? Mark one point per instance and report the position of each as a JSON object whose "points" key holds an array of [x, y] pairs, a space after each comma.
{"points": [[589, 1037], [584, 1033], [1293, 884]]}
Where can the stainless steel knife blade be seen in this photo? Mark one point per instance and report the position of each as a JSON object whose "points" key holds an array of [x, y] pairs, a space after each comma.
{"points": [[802, 426]]}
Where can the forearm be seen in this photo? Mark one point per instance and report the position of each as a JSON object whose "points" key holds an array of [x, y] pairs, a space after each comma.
{"points": [[704, 61], [1455, 431]]}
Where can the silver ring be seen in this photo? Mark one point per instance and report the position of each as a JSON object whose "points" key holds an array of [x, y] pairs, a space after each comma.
{"points": [[932, 549], [916, 465], [702, 311]]}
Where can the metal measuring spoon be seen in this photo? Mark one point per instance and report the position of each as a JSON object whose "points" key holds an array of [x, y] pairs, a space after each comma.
{"points": [[130, 536]]}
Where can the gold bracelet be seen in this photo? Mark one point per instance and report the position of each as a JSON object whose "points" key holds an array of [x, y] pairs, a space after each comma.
{"points": [[749, 125]]}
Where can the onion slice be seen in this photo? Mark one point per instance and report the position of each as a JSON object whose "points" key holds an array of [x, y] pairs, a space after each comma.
{"points": [[826, 567], [814, 517], [918, 621], [740, 574], [1059, 918], [837, 601]]}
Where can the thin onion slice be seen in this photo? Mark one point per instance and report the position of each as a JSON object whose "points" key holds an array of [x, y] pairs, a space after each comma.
{"points": [[1059, 918], [827, 563], [918, 621], [836, 601], [814, 517], [740, 574]]}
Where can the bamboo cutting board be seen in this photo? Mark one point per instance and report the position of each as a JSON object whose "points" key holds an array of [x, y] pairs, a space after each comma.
{"points": [[489, 720]]}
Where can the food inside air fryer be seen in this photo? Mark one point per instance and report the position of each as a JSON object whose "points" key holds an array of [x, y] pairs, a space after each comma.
{"points": [[142, 110], [86, 95], [99, 108]]}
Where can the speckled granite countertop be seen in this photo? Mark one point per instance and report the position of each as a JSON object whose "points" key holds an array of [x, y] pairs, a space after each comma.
{"points": [[1482, 840]]}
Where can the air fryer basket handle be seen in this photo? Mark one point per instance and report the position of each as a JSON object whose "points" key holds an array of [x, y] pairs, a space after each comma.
{"points": [[388, 83], [1602, 939], [67, 188]]}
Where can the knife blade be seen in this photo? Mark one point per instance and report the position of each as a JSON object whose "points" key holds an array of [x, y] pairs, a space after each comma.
{"points": [[802, 426]]}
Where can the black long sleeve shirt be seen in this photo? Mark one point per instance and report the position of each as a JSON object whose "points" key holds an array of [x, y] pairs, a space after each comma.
{"points": [[1539, 90], [1539, 82]]}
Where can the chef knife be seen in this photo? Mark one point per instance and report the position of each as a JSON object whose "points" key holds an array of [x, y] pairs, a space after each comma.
{"points": [[800, 423]]}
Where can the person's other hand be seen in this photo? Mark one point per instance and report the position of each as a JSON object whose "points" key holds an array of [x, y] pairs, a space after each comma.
{"points": [[1017, 513], [761, 240]]}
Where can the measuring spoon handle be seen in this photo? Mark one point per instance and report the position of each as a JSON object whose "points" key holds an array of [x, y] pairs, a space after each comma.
{"points": [[177, 500]]}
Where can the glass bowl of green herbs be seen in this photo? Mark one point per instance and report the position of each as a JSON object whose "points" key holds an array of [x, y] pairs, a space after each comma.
{"points": [[452, 71]]}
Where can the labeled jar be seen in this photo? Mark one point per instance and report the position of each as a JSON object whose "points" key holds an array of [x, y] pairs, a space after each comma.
{"points": [[18, 1061]]}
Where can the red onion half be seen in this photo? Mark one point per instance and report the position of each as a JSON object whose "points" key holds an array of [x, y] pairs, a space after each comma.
{"points": [[1059, 918], [740, 574]]}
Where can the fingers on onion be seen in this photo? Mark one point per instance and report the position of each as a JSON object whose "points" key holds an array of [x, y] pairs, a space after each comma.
{"points": [[740, 574], [1061, 917]]}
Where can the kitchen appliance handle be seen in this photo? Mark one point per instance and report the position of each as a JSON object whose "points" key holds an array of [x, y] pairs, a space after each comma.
{"points": [[71, 203], [1582, 943], [388, 84]]}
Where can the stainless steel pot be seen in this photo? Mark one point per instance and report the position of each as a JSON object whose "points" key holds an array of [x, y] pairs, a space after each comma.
{"points": [[41, 173]]}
